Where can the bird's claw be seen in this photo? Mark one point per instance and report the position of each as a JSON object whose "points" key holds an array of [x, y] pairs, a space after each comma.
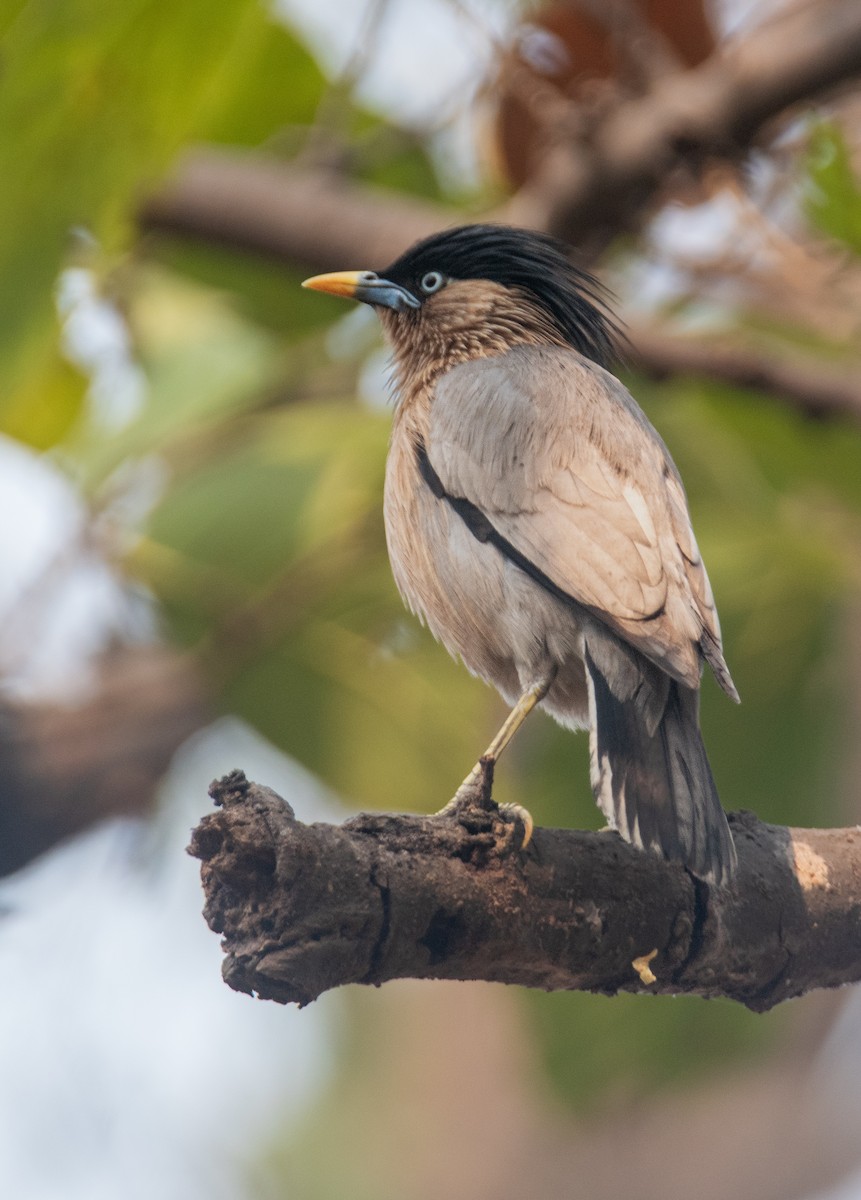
{"points": [[516, 812], [475, 793], [469, 796]]}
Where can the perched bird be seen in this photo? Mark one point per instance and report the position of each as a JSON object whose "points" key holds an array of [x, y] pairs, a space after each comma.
{"points": [[536, 522]]}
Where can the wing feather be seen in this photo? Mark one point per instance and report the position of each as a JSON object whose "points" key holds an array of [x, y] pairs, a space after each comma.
{"points": [[560, 460]]}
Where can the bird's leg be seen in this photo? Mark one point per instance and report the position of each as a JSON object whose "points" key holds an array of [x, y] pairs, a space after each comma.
{"points": [[524, 706]]}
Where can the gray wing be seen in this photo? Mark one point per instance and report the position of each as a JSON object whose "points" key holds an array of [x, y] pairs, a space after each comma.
{"points": [[564, 465]]}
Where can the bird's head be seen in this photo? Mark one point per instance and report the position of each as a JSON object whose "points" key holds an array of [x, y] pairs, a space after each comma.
{"points": [[479, 290]]}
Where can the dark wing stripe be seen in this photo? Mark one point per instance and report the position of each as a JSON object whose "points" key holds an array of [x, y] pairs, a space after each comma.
{"points": [[482, 529]]}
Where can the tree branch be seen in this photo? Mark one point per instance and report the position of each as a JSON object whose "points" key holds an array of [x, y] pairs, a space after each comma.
{"points": [[815, 388], [321, 222], [315, 219], [583, 192], [64, 766], [588, 193], [305, 908]]}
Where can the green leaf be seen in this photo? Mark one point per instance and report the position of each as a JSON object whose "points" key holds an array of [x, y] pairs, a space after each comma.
{"points": [[269, 84], [262, 290], [96, 100], [833, 195], [203, 362], [45, 407]]}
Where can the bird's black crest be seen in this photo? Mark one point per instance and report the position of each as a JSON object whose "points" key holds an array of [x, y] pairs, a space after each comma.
{"points": [[519, 258]]}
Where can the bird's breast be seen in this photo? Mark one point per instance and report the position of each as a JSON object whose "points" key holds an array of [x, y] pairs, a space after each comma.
{"points": [[482, 607], [446, 577]]}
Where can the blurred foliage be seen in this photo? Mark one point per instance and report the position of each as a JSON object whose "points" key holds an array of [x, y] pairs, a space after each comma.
{"points": [[833, 194], [265, 549], [104, 98], [686, 1036], [107, 95]]}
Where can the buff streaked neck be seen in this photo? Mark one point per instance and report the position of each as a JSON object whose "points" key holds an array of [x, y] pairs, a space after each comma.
{"points": [[468, 319]]}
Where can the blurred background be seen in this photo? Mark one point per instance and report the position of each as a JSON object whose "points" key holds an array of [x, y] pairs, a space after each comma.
{"points": [[193, 573]]}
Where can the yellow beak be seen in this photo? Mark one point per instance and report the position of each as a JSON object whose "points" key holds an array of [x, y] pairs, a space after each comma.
{"points": [[337, 283], [366, 286]]}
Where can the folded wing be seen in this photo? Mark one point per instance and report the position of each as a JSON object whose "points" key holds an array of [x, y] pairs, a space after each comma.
{"points": [[562, 463]]}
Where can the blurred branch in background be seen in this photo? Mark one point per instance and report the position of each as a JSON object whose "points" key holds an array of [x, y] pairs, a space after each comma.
{"points": [[579, 193], [313, 218], [66, 765], [319, 221], [815, 390], [716, 110]]}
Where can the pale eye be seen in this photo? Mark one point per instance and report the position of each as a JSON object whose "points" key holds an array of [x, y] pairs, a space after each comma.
{"points": [[432, 282]]}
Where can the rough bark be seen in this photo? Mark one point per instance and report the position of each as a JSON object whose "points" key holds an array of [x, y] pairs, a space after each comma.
{"points": [[304, 908]]}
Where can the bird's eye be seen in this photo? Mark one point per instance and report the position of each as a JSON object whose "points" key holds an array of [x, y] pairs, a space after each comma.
{"points": [[432, 282]]}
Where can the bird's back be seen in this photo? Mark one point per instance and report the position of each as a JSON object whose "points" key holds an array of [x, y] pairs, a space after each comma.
{"points": [[564, 466]]}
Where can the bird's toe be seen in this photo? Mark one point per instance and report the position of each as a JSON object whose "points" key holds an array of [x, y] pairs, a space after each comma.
{"points": [[516, 812]]}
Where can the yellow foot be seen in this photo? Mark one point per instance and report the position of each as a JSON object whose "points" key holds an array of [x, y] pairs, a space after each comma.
{"points": [[509, 812], [465, 794], [475, 789]]}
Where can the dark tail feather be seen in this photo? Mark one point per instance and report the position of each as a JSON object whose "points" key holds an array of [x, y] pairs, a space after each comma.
{"points": [[650, 773]]}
